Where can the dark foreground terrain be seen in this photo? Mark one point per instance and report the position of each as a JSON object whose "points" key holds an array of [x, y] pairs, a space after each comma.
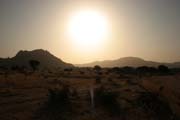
{"points": [[85, 94]]}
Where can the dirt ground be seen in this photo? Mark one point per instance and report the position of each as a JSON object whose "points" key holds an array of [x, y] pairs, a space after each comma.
{"points": [[23, 96]]}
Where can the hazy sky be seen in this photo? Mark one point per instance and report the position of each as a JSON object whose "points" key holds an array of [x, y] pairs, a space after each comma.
{"points": [[149, 29]]}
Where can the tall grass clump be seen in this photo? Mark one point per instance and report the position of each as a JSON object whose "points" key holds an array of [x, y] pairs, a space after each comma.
{"points": [[155, 105], [107, 100]]}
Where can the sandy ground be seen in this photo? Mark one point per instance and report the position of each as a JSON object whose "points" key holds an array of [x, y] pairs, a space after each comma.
{"points": [[23, 95]]}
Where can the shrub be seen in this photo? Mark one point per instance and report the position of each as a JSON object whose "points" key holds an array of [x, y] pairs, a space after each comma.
{"points": [[155, 105], [58, 98], [127, 70], [68, 69], [34, 64], [116, 69], [58, 105], [142, 69], [108, 100]]}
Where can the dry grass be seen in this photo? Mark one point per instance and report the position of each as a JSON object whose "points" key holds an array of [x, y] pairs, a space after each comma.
{"points": [[22, 96]]}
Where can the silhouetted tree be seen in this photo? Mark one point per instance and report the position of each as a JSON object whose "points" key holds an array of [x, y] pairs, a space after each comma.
{"points": [[127, 70], [153, 70], [143, 70], [116, 69], [97, 68], [163, 69], [34, 64]]}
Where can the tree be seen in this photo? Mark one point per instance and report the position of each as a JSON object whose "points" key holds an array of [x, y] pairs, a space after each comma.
{"points": [[116, 69], [127, 70], [163, 69], [97, 68], [34, 64], [143, 70]]}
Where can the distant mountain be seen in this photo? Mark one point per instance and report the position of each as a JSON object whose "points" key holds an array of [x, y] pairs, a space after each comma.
{"points": [[46, 59], [128, 61]]}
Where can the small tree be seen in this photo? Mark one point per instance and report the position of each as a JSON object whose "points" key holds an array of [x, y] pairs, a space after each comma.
{"points": [[97, 68], [116, 69], [163, 69], [127, 70], [34, 64]]}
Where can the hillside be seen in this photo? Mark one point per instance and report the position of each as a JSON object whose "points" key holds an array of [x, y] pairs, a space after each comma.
{"points": [[46, 59], [128, 61]]}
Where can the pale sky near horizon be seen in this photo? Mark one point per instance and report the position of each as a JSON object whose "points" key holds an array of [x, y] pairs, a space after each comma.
{"points": [[149, 29]]}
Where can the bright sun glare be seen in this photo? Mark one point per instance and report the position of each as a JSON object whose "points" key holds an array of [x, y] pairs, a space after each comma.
{"points": [[88, 28]]}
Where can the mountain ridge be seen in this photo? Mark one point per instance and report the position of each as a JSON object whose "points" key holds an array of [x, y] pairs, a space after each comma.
{"points": [[46, 59], [129, 61]]}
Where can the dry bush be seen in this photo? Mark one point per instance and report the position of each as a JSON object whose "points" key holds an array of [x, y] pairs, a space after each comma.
{"points": [[107, 100], [58, 105], [155, 105]]}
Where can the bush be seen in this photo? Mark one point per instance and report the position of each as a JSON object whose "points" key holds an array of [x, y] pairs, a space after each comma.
{"points": [[68, 69], [156, 106], [59, 98], [127, 70], [116, 69], [58, 105], [143, 69], [108, 100], [34, 64]]}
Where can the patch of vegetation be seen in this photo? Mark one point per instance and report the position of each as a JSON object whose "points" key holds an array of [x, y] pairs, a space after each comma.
{"points": [[154, 105], [34, 64], [164, 70], [97, 69], [58, 105], [58, 97], [68, 69], [107, 100]]}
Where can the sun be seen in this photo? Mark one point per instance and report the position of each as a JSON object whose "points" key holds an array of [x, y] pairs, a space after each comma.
{"points": [[88, 28]]}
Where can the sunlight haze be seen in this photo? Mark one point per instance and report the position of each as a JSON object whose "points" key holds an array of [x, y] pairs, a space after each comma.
{"points": [[88, 30], [82, 31]]}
